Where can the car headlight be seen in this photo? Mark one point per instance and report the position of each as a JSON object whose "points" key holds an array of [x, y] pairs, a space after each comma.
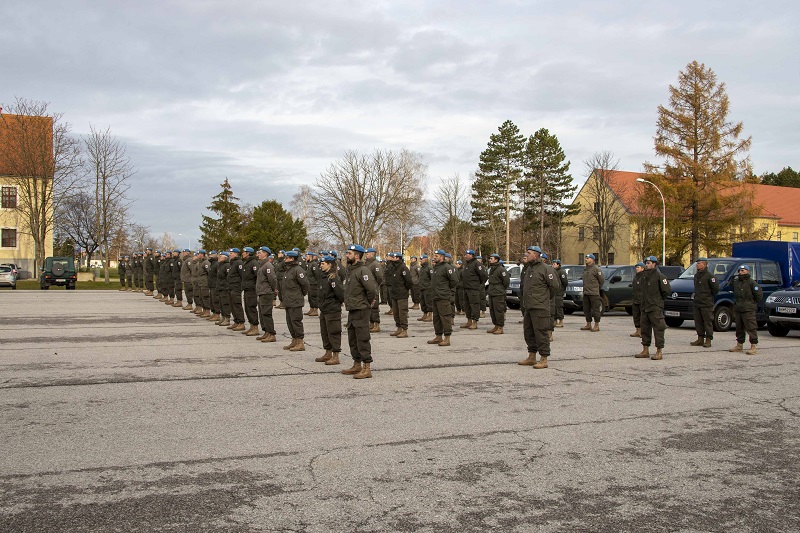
{"points": [[770, 299]]}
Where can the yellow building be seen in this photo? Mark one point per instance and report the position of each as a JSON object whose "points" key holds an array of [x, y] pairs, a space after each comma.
{"points": [[16, 243], [616, 194]]}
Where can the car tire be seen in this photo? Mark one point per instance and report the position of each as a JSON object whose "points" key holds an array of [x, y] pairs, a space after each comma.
{"points": [[629, 310], [723, 318], [45, 287], [568, 311], [673, 322], [777, 330]]}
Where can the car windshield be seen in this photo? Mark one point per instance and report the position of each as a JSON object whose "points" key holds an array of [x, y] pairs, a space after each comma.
{"points": [[574, 272], [719, 268], [4, 269], [608, 271], [513, 272]]}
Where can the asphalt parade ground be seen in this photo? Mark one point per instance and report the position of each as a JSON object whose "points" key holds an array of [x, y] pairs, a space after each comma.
{"points": [[121, 414]]}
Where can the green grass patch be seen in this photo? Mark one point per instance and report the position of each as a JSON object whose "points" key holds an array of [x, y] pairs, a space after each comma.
{"points": [[33, 284]]}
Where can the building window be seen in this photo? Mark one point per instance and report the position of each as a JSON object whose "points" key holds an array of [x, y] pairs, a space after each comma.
{"points": [[580, 259], [610, 258], [596, 233], [779, 235], [581, 233], [597, 207], [8, 238], [9, 198], [794, 236]]}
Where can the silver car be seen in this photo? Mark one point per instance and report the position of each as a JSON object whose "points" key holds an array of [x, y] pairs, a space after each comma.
{"points": [[8, 277]]}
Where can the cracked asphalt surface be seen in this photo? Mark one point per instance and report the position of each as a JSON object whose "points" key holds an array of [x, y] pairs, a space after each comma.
{"points": [[120, 414]]}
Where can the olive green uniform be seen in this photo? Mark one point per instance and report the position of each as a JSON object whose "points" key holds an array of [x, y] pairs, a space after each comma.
{"points": [[266, 291], [473, 277], [377, 274], [540, 287], [399, 283], [655, 288], [330, 296], [498, 283], [235, 289], [360, 292], [593, 280], [747, 295], [636, 305], [705, 288], [443, 282], [295, 288]]}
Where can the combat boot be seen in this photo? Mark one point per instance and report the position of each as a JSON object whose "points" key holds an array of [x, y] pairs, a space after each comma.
{"points": [[658, 355], [206, 313], [492, 330], [637, 333], [389, 312], [291, 344], [530, 361], [498, 331], [415, 307], [422, 318], [435, 340], [753, 349], [325, 357], [226, 322], [148, 293], [587, 327], [559, 323], [395, 333], [473, 325], [429, 317], [168, 301], [445, 341], [313, 312], [364, 373], [738, 348], [403, 334], [299, 346], [466, 324], [483, 314], [213, 318], [707, 343], [376, 328], [187, 307], [355, 369], [596, 327], [698, 342], [644, 353], [238, 327], [262, 336], [542, 362], [269, 338], [178, 303], [334, 360], [252, 332]]}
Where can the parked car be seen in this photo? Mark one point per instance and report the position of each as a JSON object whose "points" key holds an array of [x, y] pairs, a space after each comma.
{"points": [[58, 271], [671, 271], [8, 277], [783, 308]]}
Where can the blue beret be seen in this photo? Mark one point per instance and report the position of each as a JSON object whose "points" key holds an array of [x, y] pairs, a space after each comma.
{"points": [[557, 261], [424, 256], [651, 258], [371, 250], [201, 251], [744, 267], [701, 259], [639, 264], [591, 256], [470, 252], [176, 251], [249, 249], [235, 250], [150, 249], [226, 254], [537, 249], [356, 248], [265, 249], [334, 253], [458, 262], [295, 249], [186, 250], [212, 252], [158, 251], [328, 259], [496, 256], [292, 253], [447, 254], [440, 252], [311, 253], [544, 256]]}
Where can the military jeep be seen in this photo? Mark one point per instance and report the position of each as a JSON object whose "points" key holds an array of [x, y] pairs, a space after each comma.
{"points": [[58, 271]]}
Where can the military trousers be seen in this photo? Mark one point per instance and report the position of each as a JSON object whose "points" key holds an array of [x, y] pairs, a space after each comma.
{"points": [[653, 325], [122, 280], [197, 294], [189, 290], [400, 312], [224, 303], [236, 306], [497, 310], [313, 296], [704, 321], [294, 320], [251, 306], [358, 336], [636, 312], [536, 326], [416, 296], [427, 301], [148, 282], [384, 294], [136, 280], [265, 319], [443, 317], [375, 313], [330, 329], [129, 279], [592, 307], [460, 299], [746, 323], [178, 290], [482, 298], [214, 300], [472, 304], [204, 297], [560, 306], [169, 286]]}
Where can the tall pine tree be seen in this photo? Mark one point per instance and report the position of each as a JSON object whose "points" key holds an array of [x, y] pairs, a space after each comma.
{"points": [[546, 187], [499, 169], [222, 232], [271, 225]]}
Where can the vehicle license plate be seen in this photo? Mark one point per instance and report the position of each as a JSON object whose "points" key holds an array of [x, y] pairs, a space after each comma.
{"points": [[61, 279], [672, 313], [508, 291], [787, 310]]}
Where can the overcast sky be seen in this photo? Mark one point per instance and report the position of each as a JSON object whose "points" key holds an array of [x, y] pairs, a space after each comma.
{"points": [[269, 93]]}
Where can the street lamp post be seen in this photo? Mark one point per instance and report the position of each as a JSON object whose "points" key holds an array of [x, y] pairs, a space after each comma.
{"points": [[187, 240], [663, 220]]}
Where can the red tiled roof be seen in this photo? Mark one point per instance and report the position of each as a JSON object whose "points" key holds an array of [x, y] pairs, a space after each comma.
{"points": [[782, 203], [11, 129]]}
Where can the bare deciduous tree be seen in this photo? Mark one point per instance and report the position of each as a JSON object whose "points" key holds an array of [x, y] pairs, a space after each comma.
{"points": [[450, 213], [359, 194], [605, 214], [77, 218], [109, 170], [43, 161]]}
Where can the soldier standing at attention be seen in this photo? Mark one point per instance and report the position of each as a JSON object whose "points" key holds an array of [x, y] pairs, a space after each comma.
{"points": [[295, 288], [655, 288], [280, 270], [425, 271], [564, 280], [399, 283], [203, 294], [388, 265], [706, 288], [266, 291], [414, 269], [540, 288], [331, 296], [443, 283], [136, 265], [148, 271], [747, 295], [360, 295], [199, 308], [235, 290], [498, 283], [636, 305], [459, 271], [122, 265], [177, 266], [165, 279], [473, 277], [544, 260], [377, 274], [213, 269], [592, 301], [156, 290], [313, 274], [482, 296], [186, 278], [249, 276], [223, 270]]}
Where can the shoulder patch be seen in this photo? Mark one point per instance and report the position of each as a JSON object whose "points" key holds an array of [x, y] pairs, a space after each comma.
{"points": [[503, 274], [449, 271], [366, 278], [333, 284], [301, 275], [755, 288], [404, 272], [240, 267], [713, 280], [549, 276], [664, 281]]}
